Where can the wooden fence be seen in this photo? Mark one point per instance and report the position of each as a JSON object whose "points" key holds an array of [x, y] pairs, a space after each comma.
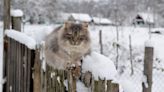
{"points": [[19, 67], [24, 74]]}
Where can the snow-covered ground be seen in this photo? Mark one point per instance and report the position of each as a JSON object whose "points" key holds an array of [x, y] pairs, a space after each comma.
{"points": [[138, 38]]}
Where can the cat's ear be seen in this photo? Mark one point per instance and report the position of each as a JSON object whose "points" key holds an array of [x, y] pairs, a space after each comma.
{"points": [[67, 24], [85, 25]]}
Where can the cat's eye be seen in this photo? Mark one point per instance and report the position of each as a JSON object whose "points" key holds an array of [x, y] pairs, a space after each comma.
{"points": [[68, 36]]}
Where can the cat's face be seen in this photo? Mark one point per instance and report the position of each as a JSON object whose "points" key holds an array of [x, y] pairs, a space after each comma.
{"points": [[75, 34]]}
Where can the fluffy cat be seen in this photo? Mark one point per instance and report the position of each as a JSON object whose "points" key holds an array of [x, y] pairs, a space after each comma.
{"points": [[67, 44]]}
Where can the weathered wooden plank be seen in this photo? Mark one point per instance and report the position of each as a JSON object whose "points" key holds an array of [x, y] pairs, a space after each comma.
{"points": [[54, 79], [29, 71], [19, 67], [6, 14], [37, 73], [22, 67], [16, 67], [8, 66], [148, 68], [12, 66], [25, 70], [112, 87], [99, 86]]}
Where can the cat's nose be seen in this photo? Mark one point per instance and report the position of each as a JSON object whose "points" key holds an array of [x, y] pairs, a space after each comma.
{"points": [[76, 43], [73, 43]]}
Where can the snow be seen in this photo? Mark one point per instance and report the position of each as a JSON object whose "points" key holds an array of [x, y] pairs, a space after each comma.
{"points": [[139, 36], [42, 55], [127, 85], [38, 32], [22, 38], [149, 43], [144, 80], [147, 17], [100, 66], [101, 20], [17, 13], [80, 87], [81, 17]]}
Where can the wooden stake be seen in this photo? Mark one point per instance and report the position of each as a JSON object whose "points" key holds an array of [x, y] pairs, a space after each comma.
{"points": [[148, 68]]}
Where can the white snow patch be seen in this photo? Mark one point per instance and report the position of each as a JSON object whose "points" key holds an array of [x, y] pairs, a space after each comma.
{"points": [[127, 85], [80, 87], [100, 66], [17, 13], [39, 32], [149, 43], [53, 74], [42, 55], [58, 79], [22, 38], [144, 80]]}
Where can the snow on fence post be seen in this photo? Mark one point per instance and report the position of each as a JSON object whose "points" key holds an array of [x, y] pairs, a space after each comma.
{"points": [[100, 41], [148, 67], [16, 19]]}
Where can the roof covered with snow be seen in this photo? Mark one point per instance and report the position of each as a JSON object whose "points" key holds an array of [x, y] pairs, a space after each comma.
{"points": [[81, 17], [101, 20], [147, 17], [17, 13]]}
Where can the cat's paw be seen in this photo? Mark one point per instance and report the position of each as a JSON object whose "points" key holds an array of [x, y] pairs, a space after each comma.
{"points": [[70, 66], [76, 72]]}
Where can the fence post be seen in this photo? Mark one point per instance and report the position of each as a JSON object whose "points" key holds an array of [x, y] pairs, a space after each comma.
{"points": [[37, 73], [99, 86], [16, 20], [6, 21], [100, 41], [148, 67], [112, 87], [6, 14]]}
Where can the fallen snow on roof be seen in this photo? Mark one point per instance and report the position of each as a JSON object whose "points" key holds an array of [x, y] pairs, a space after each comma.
{"points": [[100, 66], [22, 38], [17, 13], [81, 17], [101, 20], [147, 17]]}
